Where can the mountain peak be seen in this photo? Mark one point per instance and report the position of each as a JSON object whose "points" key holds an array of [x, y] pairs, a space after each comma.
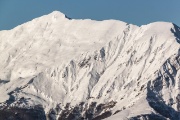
{"points": [[90, 69], [58, 14]]}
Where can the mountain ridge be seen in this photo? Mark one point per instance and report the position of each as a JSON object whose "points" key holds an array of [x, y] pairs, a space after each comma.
{"points": [[85, 68], [62, 15]]}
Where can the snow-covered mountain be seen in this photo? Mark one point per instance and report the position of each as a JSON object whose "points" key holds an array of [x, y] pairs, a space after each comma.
{"points": [[71, 69]]}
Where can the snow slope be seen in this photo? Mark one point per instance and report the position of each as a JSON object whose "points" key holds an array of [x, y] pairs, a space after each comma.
{"points": [[56, 61]]}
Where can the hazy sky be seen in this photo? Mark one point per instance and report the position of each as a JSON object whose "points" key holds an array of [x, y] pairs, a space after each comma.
{"points": [[139, 12]]}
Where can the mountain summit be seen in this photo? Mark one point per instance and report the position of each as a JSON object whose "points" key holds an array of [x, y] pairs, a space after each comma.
{"points": [[58, 68]]}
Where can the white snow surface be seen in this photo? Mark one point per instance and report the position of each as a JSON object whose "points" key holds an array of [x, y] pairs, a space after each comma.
{"points": [[53, 59]]}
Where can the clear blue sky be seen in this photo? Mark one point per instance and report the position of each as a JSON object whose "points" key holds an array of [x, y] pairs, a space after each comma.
{"points": [[139, 12]]}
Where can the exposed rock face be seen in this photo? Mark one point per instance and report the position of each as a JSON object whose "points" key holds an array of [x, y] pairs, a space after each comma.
{"points": [[82, 111], [15, 113], [148, 117], [84, 69]]}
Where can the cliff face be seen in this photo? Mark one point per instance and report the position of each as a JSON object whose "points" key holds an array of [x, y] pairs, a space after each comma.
{"points": [[84, 69]]}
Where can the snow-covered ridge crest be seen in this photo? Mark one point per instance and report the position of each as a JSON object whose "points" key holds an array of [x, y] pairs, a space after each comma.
{"points": [[90, 67]]}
